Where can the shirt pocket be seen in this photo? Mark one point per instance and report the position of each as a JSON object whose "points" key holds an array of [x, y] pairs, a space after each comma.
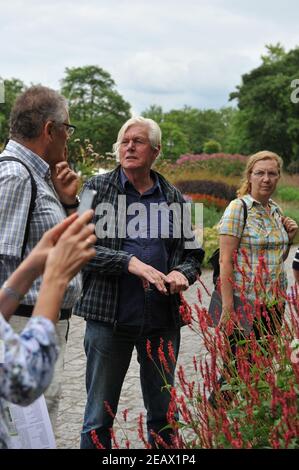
{"points": [[256, 228]]}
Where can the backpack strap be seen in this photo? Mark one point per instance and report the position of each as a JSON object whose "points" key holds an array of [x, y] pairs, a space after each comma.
{"points": [[32, 200], [245, 213]]}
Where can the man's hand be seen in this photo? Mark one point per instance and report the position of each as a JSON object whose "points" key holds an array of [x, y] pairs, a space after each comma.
{"points": [[147, 274], [66, 182], [177, 282]]}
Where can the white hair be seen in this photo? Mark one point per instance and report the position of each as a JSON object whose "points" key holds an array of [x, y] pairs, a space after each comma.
{"points": [[154, 133]]}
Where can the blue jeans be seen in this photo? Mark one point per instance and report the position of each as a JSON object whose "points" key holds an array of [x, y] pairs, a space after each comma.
{"points": [[109, 353]]}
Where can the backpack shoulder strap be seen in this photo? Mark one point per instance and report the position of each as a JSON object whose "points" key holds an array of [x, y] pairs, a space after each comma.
{"points": [[245, 213], [32, 200]]}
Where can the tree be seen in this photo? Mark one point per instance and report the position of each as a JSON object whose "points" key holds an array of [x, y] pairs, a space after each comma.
{"points": [[12, 88], [186, 130], [174, 141], [96, 108], [267, 118], [154, 112], [198, 126]]}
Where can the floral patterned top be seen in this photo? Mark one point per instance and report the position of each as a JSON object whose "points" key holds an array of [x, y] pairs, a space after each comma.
{"points": [[26, 365]]}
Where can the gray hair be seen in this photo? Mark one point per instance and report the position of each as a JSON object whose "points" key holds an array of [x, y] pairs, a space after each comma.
{"points": [[33, 108], [154, 133]]}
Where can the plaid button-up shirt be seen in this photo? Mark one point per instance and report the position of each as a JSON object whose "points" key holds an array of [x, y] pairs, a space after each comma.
{"points": [[99, 300], [264, 234], [15, 195]]}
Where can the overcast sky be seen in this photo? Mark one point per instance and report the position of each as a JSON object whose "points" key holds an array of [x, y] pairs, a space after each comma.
{"points": [[166, 52]]}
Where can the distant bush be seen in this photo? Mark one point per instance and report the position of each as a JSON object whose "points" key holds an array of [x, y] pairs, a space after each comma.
{"points": [[288, 193], [211, 146], [293, 167], [233, 157], [216, 163], [212, 188]]}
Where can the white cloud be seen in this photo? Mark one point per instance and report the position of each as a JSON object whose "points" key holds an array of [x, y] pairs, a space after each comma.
{"points": [[171, 53]]}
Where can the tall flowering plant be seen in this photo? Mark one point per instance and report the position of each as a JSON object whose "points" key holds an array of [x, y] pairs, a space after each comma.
{"points": [[244, 389], [244, 392]]}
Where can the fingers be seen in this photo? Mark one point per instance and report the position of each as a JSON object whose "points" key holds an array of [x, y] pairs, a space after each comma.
{"points": [[59, 167], [55, 233], [158, 279], [72, 251], [87, 235], [177, 282], [78, 224], [90, 241]]}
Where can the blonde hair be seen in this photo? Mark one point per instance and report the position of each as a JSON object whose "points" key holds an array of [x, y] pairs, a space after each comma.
{"points": [[257, 157]]}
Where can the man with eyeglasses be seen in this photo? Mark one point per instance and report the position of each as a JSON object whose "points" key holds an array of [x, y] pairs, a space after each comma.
{"points": [[37, 190]]}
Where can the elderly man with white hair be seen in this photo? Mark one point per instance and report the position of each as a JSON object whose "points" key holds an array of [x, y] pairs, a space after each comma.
{"points": [[131, 288]]}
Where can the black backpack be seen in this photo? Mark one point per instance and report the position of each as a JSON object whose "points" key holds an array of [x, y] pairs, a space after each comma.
{"points": [[214, 259], [32, 201]]}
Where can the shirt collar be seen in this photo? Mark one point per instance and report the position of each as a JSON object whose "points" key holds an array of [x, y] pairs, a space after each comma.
{"points": [[125, 181], [30, 158], [250, 201]]}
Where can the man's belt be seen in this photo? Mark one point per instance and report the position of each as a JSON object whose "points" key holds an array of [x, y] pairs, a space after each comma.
{"points": [[26, 311]]}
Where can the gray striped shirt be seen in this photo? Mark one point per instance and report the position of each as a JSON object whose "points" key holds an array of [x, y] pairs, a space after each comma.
{"points": [[15, 194]]}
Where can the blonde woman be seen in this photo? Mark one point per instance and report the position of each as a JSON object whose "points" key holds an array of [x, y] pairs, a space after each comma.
{"points": [[266, 233]]}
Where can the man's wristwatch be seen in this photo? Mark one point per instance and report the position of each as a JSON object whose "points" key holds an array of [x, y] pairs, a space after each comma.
{"points": [[72, 206]]}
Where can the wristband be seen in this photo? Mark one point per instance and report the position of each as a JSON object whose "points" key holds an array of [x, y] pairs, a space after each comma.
{"points": [[12, 293]]}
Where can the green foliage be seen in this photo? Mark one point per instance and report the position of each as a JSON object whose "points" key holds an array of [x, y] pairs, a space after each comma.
{"points": [[174, 141], [211, 216], [288, 193], [267, 118], [95, 106], [293, 213], [191, 128], [88, 162], [210, 237], [212, 146], [12, 89]]}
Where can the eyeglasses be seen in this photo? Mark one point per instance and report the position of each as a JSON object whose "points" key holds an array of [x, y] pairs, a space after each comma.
{"points": [[70, 128], [261, 174], [137, 141]]}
